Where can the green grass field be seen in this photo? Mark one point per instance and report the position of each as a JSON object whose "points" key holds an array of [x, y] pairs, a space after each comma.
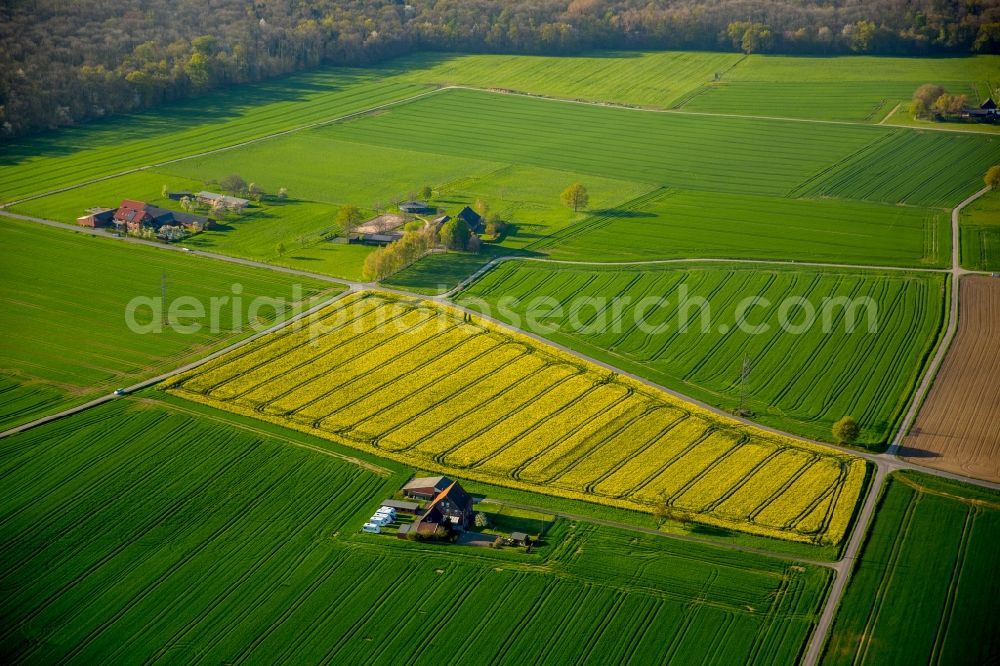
{"points": [[799, 382], [72, 155], [198, 540], [65, 297], [980, 233], [906, 167], [671, 224], [650, 79], [926, 585], [719, 154], [859, 88], [737, 155]]}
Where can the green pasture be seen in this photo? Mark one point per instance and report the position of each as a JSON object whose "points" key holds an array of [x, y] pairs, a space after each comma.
{"points": [[659, 79], [925, 587], [64, 302], [673, 224], [980, 230], [239, 544], [855, 88], [718, 154], [72, 155], [802, 377]]}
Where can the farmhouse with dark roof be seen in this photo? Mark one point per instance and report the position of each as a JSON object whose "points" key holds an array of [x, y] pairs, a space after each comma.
{"points": [[472, 218]]}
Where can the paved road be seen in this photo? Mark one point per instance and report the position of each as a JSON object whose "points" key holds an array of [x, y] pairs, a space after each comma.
{"points": [[889, 460], [885, 462]]}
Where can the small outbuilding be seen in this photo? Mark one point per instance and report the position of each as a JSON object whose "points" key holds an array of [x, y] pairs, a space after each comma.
{"points": [[520, 539], [417, 208], [225, 201]]}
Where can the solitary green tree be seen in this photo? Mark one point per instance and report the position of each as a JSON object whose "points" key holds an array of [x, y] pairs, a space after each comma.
{"points": [[575, 196], [427, 192], [281, 249], [349, 217], [992, 177], [846, 430]]}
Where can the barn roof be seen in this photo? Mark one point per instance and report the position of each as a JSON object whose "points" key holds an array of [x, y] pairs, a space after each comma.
{"points": [[438, 483], [988, 104]]}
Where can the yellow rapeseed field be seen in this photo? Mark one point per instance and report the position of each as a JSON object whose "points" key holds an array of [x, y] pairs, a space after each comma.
{"points": [[421, 383]]}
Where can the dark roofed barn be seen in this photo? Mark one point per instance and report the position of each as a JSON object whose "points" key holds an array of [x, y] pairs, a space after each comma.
{"points": [[472, 218], [417, 208], [452, 505]]}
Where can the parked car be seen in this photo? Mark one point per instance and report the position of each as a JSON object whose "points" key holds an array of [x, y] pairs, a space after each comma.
{"points": [[120, 391]]}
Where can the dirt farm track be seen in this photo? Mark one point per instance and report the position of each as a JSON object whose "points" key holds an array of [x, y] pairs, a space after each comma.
{"points": [[958, 428]]}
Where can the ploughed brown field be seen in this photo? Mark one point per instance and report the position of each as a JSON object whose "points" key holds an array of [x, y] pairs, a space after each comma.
{"points": [[958, 428]]}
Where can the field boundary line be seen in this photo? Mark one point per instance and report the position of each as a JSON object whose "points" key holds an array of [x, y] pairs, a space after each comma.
{"points": [[712, 114], [889, 115], [372, 467], [492, 91], [185, 368], [222, 149], [923, 388], [890, 460], [469, 280], [100, 233]]}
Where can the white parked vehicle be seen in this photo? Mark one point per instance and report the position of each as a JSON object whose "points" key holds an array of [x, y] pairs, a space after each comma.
{"points": [[372, 528], [380, 520], [387, 511]]}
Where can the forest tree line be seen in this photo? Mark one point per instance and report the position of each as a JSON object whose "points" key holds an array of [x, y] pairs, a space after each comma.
{"points": [[67, 61]]}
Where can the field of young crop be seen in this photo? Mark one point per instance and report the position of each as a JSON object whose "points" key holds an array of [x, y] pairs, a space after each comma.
{"points": [[671, 224], [64, 299], [801, 379], [926, 585], [906, 167], [696, 152], [141, 532], [464, 397], [859, 88], [980, 228], [227, 117], [651, 79], [732, 155]]}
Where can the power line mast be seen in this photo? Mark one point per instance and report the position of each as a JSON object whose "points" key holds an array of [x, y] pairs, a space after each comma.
{"points": [[744, 375]]}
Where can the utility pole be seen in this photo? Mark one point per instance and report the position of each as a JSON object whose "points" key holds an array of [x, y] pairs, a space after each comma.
{"points": [[744, 374]]}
